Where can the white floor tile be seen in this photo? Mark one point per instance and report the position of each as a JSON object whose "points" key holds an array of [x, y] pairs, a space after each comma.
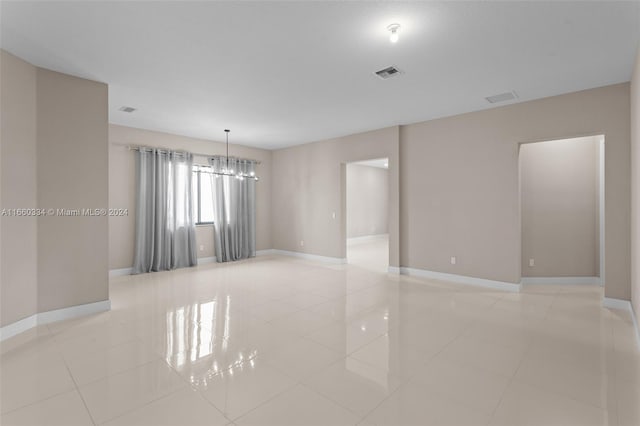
{"points": [[66, 409], [284, 341], [184, 407], [298, 406], [124, 392]]}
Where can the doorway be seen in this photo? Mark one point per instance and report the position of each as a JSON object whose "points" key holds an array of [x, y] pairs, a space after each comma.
{"points": [[367, 214], [562, 211]]}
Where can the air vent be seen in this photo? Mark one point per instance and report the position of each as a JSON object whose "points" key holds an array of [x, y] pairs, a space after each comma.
{"points": [[388, 73], [502, 97], [127, 109]]}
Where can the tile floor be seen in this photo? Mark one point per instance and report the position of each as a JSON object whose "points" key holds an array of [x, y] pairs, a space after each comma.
{"points": [[283, 341]]}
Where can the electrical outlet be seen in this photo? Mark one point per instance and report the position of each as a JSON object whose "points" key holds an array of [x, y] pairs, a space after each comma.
{"points": [[333, 215], [201, 247], [453, 260], [301, 243], [532, 263]]}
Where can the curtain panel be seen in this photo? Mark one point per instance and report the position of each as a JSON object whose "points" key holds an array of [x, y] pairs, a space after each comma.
{"points": [[234, 208], [165, 229]]}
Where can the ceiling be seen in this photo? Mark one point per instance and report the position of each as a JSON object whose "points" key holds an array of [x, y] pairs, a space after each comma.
{"points": [[286, 73]]}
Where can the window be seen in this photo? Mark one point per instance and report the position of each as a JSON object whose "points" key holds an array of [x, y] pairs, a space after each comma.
{"points": [[202, 196]]}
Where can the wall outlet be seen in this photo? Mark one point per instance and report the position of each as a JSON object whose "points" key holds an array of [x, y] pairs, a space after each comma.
{"points": [[333, 215], [532, 263], [201, 247], [453, 260], [301, 243]]}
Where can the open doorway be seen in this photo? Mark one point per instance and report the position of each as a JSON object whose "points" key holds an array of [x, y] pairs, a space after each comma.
{"points": [[367, 214], [562, 211]]}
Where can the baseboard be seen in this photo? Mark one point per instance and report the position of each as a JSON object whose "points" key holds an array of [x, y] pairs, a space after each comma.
{"points": [[461, 279], [610, 302], [635, 325], [73, 312], [313, 257], [561, 280], [120, 272], [52, 316], [394, 270], [205, 260], [18, 327], [625, 305], [365, 238], [266, 252]]}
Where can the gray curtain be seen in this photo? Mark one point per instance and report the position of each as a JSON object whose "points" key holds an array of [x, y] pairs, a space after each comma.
{"points": [[234, 208], [165, 230]]}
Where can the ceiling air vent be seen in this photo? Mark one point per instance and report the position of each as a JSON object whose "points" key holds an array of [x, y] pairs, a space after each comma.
{"points": [[388, 72], [502, 97], [127, 109]]}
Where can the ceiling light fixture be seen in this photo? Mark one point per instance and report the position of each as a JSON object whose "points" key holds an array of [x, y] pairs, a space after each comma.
{"points": [[229, 171], [393, 29]]}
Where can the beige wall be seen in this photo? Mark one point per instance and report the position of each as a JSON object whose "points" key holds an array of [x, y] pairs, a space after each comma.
{"points": [[560, 200], [72, 174], [18, 266], [367, 200], [635, 186], [54, 155], [459, 183], [122, 188], [309, 185]]}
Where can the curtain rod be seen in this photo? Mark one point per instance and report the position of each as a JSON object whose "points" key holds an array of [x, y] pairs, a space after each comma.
{"points": [[137, 148]]}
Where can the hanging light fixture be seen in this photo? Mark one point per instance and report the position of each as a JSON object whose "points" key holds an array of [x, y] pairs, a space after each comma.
{"points": [[227, 171]]}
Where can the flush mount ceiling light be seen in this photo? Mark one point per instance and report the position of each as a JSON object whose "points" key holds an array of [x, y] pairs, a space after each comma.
{"points": [[127, 109], [394, 29]]}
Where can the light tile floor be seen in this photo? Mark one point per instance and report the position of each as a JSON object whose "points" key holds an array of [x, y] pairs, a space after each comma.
{"points": [[283, 341]]}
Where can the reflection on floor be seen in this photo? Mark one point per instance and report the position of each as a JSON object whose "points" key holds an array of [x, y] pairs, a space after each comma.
{"points": [[283, 341], [371, 253]]}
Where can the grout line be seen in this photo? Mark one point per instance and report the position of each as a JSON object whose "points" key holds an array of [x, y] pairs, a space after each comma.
{"points": [[146, 403], [295, 383], [139, 407], [86, 407], [38, 401]]}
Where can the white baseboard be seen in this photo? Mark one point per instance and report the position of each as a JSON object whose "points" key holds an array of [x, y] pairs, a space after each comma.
{"points": [[625, 305], [18, 327], [73, 311], [394, 270], [461, 279], [561, 280], [610, 302], [313, 257], [266, 252], [635, 325], [52, 316], [120, 272], [366, 238], [205, 260]]}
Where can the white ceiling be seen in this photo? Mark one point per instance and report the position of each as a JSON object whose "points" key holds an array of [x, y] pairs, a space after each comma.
{"points": [[285, 73]]}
